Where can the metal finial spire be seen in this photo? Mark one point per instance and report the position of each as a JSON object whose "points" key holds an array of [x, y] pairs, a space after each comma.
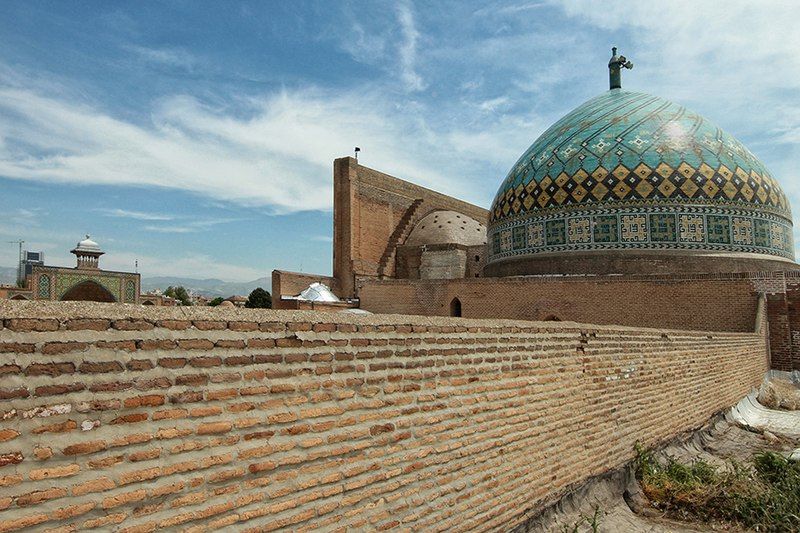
{"points": [[614, 65]]}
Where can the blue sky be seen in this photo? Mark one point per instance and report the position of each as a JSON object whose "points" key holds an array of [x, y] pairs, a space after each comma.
{"points": [[198, 137]]}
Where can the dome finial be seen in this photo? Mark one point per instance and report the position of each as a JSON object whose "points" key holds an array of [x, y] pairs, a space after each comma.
{"points": [[614, 65]]}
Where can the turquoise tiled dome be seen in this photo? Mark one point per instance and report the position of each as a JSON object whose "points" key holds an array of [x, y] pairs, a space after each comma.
{"points": [[631, 170]]}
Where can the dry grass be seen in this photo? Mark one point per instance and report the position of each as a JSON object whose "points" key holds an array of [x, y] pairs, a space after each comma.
{"points": [[763, 495]]}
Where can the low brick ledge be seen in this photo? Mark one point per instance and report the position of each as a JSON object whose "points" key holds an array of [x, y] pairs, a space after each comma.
{"points": [[39, 316]]}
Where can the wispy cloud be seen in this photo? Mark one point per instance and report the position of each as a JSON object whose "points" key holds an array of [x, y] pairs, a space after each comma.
{"points": [[170, 57], [136, 215], [408, 48], [191, 226], [198, 265], [170, 229]]}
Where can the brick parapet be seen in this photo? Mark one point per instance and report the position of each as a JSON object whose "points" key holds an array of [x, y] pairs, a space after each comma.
{"points": [[145, 418]]}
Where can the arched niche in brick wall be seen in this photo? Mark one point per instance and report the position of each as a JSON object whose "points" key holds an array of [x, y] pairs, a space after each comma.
{"points": [[455, 307]]}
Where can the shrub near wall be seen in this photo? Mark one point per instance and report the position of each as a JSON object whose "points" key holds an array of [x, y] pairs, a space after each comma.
{"points": [[137, 419]]}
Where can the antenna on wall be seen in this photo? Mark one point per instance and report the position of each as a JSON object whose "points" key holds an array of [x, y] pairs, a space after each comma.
{"points": [[357, 149], [136, 266]]}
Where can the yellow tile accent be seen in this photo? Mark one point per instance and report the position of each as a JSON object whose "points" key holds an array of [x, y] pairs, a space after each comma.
{"points": [[689, 188], [579, 193], [599, 191], [730, 190], [642, 170], [621, 189], [644, 188], [706, 171], [621, 172], [664, 170], [686, 170], [560, 196], [667, 188], [600, 174], [711, 189]]}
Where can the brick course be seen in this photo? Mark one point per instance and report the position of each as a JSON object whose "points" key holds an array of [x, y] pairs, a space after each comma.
{"points": [[314, 420]]}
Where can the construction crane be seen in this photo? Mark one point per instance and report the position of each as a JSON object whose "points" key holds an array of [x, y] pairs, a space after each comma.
{"points": [[19, 263]]}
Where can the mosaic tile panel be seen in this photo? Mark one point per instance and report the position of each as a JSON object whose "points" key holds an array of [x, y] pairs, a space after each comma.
{"points": [[518, 237], [692, 228], [762, 236], [633, 228], [505, 241], [606, 228], [777, 234], [130, 291], [742, 230], [579, 230], [719, 229], [556, 232], [44, 287], [663, 227], [536, 234]]}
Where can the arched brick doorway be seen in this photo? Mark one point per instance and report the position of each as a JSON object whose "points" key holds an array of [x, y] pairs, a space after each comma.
{"points": [[89, 291], [18, 297]]}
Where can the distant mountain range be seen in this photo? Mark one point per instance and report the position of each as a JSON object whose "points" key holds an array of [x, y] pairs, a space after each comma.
{"points": [[205, 287]]}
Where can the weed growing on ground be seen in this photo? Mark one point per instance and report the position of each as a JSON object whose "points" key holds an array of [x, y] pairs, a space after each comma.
{"points": [[591, 523], [763, 494]]}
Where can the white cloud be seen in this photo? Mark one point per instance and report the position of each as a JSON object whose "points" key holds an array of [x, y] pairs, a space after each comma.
{"points": [[170, 57], [199, 265], [136, 215], [408, 48]]}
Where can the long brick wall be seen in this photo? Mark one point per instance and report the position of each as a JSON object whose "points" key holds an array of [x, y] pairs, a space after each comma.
{"points": [[723, 303], [138, 419]]}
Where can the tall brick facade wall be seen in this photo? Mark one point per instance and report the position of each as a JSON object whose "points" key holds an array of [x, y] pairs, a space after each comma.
{"points": [[138, 419], [373, 212], [699, 302]]}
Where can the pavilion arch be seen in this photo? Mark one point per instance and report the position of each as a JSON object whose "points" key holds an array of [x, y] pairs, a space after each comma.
{"points": [[19, 297], [88, 291]]}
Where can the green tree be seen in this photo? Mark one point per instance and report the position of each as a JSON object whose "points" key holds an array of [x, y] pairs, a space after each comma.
{"points": [[259, 299], [216, 301], [179, 293]]}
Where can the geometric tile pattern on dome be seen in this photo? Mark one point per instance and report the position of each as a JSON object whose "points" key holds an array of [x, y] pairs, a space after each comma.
{"points": [[624, 146]]}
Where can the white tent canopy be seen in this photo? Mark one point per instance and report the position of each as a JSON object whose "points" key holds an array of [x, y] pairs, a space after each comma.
{"points": [[318, 292]]}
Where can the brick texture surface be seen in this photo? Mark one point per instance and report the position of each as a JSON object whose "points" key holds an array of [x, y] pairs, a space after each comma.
{"points": [[727, 304], [323, 421]]}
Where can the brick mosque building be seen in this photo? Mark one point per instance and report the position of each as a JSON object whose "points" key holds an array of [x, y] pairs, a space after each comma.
{"points": [[85, 282], [630, 210]]}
